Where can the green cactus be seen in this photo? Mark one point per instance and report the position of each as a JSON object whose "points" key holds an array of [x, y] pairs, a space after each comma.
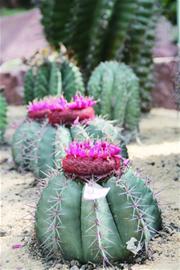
{"points": [[29, 82], [37, 147], [100, 30], [116, 87], [88, 27], [71, 80], [55, 82], [98, 230], [42, 81], [122, 17], [3, 117], [56, 15], [52, 78], [23, 143], [139, 45]]}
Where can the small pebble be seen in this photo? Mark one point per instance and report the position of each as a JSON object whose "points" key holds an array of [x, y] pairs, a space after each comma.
{"points": [[3, 233]]}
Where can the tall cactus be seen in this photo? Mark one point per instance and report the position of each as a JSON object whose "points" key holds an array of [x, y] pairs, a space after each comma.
{"points": [[100, 30], [3, 117], [88, 27], [117, 89], [71, 80], [95, 209], [139, 45]]}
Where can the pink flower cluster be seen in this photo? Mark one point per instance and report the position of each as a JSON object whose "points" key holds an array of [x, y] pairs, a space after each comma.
{"points": [[99, 149], [53, 103], [80, 102]]}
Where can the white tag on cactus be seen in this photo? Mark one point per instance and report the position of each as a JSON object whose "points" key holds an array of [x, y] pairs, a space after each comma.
{"points": [[93, 191], [133, 245]]}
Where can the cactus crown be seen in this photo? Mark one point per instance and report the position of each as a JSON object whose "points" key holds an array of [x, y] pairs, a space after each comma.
{"points": [[47, 104], [92, 158]]}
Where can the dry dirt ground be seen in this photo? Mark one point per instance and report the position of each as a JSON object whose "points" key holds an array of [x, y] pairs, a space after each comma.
{"points": [[158, 156]]}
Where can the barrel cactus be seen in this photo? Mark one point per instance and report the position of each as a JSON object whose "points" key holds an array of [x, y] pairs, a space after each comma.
{"points": [[117, 88], [95, 209], [52, 76], [3, 116], [40, 142]]}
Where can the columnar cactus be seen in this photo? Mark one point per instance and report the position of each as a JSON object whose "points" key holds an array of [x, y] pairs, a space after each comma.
{"points": [[40, 142], [95, 209], [138, 48], [117, 88], [3, 116], [52, 77], [101, 30]]}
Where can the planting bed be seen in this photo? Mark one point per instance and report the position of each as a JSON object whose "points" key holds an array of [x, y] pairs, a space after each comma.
{"points": [[157, 155]]}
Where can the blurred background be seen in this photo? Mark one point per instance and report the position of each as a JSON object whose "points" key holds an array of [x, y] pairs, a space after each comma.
{"points": [[143, 34]]}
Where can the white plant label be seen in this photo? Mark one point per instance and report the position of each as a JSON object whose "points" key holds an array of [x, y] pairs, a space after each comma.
{"points": [[93, 191], [133, 245]]}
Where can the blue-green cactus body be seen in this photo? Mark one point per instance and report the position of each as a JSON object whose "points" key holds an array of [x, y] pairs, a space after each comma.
{"points": [[23, 143], [97, 230], [3, 117], [64, 199]]}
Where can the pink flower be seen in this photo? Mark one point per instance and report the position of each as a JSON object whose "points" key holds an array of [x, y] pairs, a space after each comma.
{"points": [[97, 149], [80, 102]]}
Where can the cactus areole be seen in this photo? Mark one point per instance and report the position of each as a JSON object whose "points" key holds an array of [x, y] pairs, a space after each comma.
{"points": [[59, 111], [88, 159], [81, 218]]}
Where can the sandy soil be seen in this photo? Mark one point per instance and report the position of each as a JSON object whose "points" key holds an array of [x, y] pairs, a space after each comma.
{"points": [[158, 156]]}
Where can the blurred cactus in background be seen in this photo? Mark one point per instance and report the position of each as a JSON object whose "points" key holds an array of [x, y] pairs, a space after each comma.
{"points": [[117, 88], [3, 117], [170, 10], [100, 30], [52, 73]]}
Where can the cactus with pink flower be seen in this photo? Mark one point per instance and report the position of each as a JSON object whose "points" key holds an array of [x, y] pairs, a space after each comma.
{"points": [[50, 126], [95, 209]]}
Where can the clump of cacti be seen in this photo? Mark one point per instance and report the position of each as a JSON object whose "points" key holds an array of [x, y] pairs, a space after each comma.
{"points": [[99, 30], [52, 74], [51, 124], [95, 209], [117, 88], [3, 117]]}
